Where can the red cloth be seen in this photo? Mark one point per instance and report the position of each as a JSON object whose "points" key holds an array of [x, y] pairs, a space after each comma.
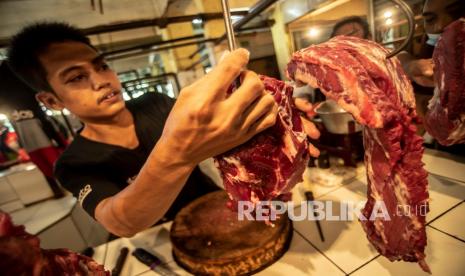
{"points": [[45, 158]]}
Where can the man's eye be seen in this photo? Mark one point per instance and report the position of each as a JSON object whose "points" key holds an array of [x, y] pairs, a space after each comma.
{"points": [[77, 78], [430, 19], [104, 66]]}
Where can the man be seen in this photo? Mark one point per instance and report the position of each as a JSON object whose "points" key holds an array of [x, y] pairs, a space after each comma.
{"points": [[437, 14], [352, 26], [132, 164]]}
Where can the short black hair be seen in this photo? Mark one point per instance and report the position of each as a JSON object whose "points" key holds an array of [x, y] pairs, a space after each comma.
{"points": [[352, 19], [33, 40], [456, 9]]}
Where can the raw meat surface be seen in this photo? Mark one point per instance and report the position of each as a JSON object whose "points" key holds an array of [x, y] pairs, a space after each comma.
{"points": [[20, 254], [445, 119], [273, 161], [355, 73]]}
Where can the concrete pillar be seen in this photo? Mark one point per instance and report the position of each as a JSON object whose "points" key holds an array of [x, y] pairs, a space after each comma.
{"points": [[182, 54], [167, 56], [214, 29], [281, 40]]}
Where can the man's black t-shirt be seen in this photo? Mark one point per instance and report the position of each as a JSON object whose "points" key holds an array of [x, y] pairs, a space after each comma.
{"points": [[93, 171]]}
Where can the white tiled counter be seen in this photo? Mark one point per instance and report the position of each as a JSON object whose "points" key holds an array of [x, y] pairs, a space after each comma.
{"points": [[346, 250], [21, 185], [444, 164], [61, 223]]}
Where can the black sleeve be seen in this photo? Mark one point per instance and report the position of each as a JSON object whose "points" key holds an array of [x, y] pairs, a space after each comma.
{"points": [[88, 188]]}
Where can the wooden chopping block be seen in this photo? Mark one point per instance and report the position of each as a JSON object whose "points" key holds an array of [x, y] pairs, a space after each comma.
{"points": [[208, 239]]}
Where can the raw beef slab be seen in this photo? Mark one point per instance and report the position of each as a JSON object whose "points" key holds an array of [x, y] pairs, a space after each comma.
{"points": [[355, 73], [20, 254], [445, 119], [273, 161]]}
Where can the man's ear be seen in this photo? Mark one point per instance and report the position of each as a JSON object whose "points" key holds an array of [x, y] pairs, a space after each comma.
{"points": [[50, 100]]}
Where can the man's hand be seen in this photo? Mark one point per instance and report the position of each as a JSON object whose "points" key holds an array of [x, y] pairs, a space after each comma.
{"points": [[205, 121], [309, 127], [421, 71]]}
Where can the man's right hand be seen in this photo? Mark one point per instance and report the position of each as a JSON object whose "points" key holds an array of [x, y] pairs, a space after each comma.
{"points": [[205, 121], [421, 71]]}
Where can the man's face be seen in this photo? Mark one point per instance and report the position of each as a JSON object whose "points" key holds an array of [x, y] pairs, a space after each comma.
{"points": [[82, 81], [350, 29], [437, 14]]}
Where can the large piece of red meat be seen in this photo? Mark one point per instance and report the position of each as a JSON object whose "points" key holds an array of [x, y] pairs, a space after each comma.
{"points": [[445, 119], [20, 254], [355, 73], [273, 161]]}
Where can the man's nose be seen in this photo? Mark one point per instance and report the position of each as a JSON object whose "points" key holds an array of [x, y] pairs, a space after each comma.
{"points": [[442, 22], [99, 81]]}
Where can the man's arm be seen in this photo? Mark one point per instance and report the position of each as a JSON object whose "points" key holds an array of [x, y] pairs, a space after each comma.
{"points": [[419, 70], [147, 199], [204, 122]]}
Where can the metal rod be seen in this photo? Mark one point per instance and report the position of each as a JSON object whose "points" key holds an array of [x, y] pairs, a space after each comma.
{"points": [[411, 25], [228, 25], [152, 44], [193, 65], [253, 12], [371, 18], [258, 8], [160, 22], [147, 51]]}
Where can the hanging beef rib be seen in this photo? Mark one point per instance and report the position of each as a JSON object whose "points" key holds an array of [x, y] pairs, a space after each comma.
{"points": [[273, 161], [445, 119], [355, 73]]}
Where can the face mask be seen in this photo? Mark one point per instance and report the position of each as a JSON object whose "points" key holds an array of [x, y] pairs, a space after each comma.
{"points": [[433, 39]]}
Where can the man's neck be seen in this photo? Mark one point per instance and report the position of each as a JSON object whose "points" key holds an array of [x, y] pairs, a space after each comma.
{"points": [[111, 131]]}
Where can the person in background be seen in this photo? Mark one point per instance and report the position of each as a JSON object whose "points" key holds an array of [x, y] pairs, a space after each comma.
{"points": [[134, 164], [437, 14], [352, 26], [349, 26], [36, 134], [7, 154]]}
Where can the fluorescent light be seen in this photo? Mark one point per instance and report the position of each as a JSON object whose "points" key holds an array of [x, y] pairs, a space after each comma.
{"points": [[294, 12], [197, 21], [3, 117], [387, 14], [235, 17], [313, 32], [240, 9], [389, 21]]}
